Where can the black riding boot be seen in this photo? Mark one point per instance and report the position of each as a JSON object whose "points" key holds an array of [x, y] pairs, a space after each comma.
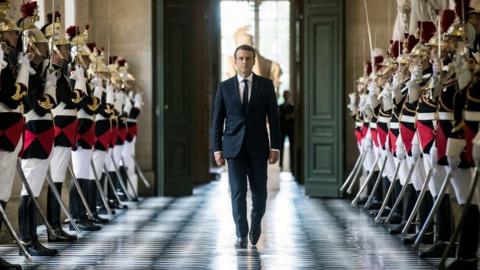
{"points": [[92, 202], [53, 217], [468, 242]]}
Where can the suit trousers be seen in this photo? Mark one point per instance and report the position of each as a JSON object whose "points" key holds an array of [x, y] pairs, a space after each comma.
{"points": [[251, 167]]}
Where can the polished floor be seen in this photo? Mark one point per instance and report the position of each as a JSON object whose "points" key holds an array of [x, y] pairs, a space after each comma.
{"points": [[197, 232]]}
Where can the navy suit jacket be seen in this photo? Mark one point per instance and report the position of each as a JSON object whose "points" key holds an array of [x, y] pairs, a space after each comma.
{"points": [[249, 128]]}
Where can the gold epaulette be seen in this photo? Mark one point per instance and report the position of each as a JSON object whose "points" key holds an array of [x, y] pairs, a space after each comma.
{"points": [[77, 98], [458, 127], [94, 106], [47, 104], [19, 94]]}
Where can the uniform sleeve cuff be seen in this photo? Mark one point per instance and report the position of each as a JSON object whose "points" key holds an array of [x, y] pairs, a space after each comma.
{"points": [[275, 150]]}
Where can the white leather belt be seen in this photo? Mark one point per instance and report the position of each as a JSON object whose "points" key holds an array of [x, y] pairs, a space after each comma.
{"points": [[5, 109], [373, 125], [407, 119], [32, 116], [129, 120], [471, 115], [383, 119], [426, 116], [445, 116], [395, 125], [358, 124]]}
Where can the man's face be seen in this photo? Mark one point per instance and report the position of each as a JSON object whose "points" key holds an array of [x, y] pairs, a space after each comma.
{"points": [[244, 60]]}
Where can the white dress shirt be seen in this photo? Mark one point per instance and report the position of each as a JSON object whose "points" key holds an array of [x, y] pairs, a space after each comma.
{"points": [[241, 85]]}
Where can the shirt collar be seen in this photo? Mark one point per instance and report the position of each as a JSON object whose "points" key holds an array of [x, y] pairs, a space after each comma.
{"points": [[249, 78]]}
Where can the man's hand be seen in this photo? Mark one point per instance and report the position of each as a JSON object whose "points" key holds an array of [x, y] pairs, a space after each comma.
{"points": [[273, 157], [219, 159]]}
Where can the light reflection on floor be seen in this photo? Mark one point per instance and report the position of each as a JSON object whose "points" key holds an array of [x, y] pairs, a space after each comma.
{"points": [[197, 232]]}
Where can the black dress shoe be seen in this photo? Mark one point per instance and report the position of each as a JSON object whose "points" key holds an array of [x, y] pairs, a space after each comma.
{"points": [[398, 228], [427, 239], [242, 242], [37, 249], [254, 234], [103, 211], [464, 264], [98, 219], [362, 201], [396, 219], [61, 236], [85, 225], [375, 205], [436, 251], [8, 266]]}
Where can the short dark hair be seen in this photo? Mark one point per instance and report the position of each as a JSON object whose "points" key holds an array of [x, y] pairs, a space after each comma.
{"points": [[244, 47]]}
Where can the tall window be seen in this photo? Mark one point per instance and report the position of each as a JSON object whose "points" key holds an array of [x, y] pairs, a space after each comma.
{"points": [[69, 13], [272, 20]]}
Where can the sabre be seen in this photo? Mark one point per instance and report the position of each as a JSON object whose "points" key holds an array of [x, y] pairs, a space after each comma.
{"points": [[456, 233], [362, 188], [369, 35], [80, 192], [389, 193], [129, 182], [437, 203], [377, 183], [402, 191], [120, 179], [355, 178], [358, 164], [35, 202], [418, 202], [60, 202], [100, 190], [140, 173], [18, 242], [110, 182]]}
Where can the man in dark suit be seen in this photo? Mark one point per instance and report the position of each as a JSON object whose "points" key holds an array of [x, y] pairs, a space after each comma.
{"points": [[242, 105], [287, 113]]}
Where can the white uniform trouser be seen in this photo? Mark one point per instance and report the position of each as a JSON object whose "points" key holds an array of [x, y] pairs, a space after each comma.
{"points": [[117, 156], [127, 154], [35, 171], [438, 175], [461, 181], [81, 162], [8, 165], [59, 163], [369, 159], [418, 176], [99, 159], [403, 171], [390, 166]]}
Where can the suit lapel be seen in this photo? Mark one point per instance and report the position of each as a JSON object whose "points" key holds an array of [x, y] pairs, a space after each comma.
{"points": [[254, 91]]}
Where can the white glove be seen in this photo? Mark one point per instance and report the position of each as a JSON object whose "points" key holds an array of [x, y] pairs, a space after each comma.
{"points": [[463, 74], [3, 63], [476, 149], [130, 95], [51, 85], [437, 68], [454, 149], [362, 104], [413, 89], [98, 90], [434, 156], [400, 151], [396, 91], [24, 71], [387, 98], [79, 77], [119, 100], [110, 99], [138, 100], [416, 151], [128, 105], [351, 106]]}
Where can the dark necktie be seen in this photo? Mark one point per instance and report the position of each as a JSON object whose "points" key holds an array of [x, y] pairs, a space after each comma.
{"points": [[245, 96]]}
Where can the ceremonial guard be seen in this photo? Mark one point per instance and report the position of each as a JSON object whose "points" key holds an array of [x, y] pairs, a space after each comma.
{"points": [[82, 149], [65, 122], [39, 130], [13, 86]]}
